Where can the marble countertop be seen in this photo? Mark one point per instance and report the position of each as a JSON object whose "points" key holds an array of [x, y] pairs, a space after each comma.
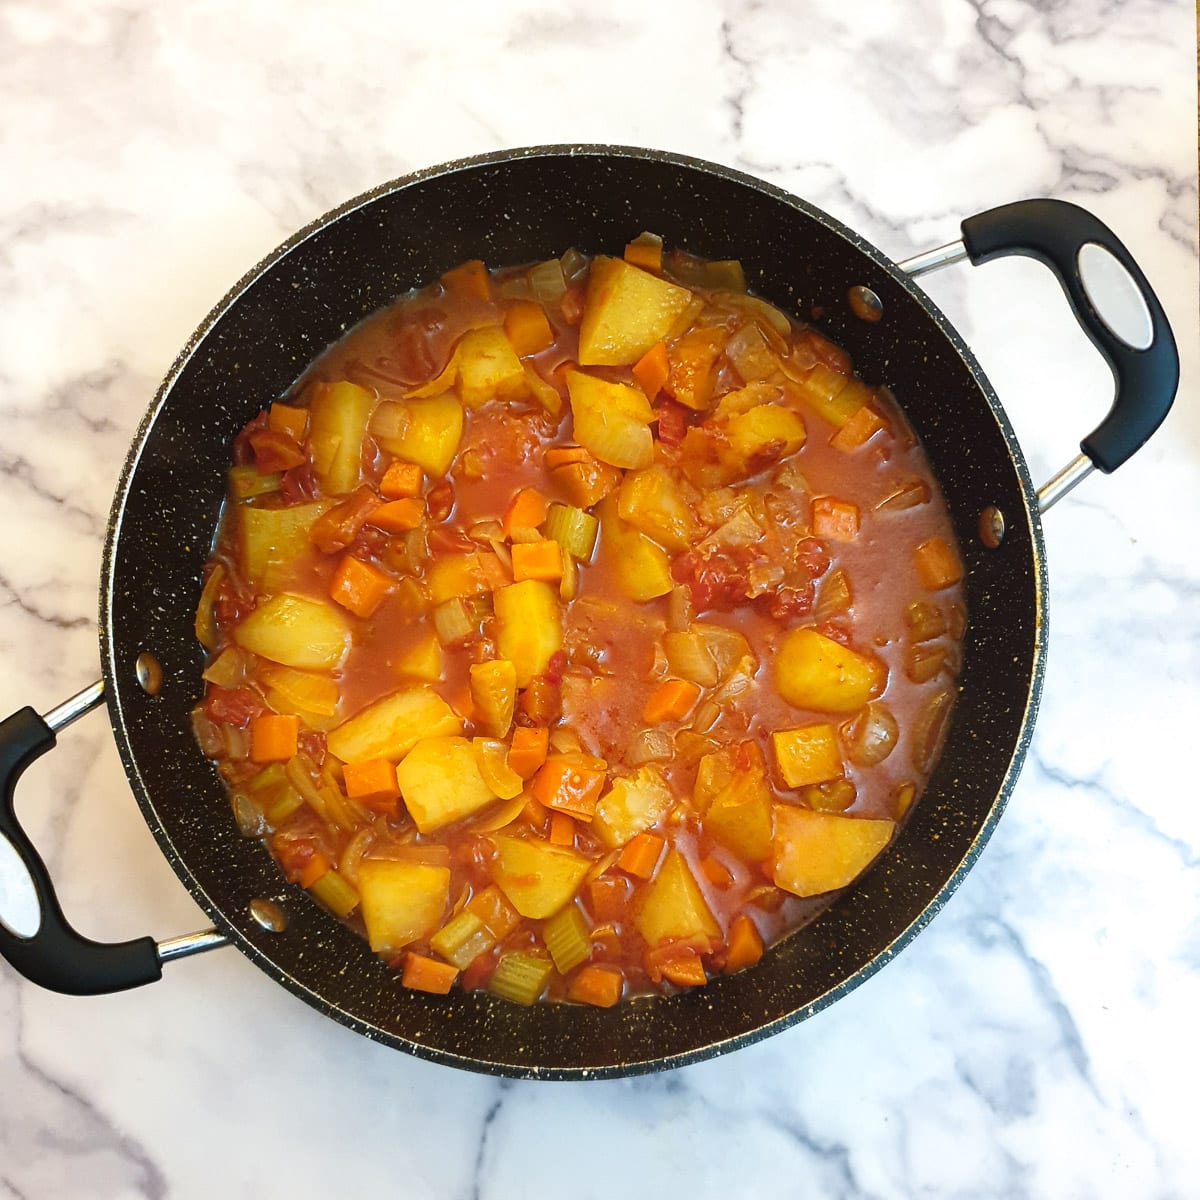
{"points": [[1040, 1037]]}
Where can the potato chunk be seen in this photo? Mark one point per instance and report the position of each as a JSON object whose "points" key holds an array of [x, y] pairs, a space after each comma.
{"points": [[612, 420], [672, 907], [640, 564], [537, 878], [631, 806], [441, 783], [425, 431], [652, 503], [337, 425], [627, 311], [272, 539], [528, 627], [401, 901], [733, 794], [815, 672], [391, 727], [818, 852], [296, 632], [488, 367], [807, 755]]}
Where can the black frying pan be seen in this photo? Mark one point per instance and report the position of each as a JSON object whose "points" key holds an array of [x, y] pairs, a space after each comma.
{"points": [[512, 208]]}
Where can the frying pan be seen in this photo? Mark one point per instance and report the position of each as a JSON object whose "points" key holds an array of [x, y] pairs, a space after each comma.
{"points": [[511, 208]]}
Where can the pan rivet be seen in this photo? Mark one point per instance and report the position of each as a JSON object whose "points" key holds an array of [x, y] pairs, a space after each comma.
{"points": [[864, 304], [269, 915], [149, 673], [991, 527]]}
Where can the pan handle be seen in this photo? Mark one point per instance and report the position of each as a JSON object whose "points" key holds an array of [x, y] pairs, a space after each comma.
{"points": [[55, 956], [1136, 342]]}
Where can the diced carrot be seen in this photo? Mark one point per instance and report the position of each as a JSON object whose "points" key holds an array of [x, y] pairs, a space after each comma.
{"points": [[645, 254], [835, 519], [537, 560], [745, 945], [641, 855], [562, 456], [937, 564], [283, 418], [680, 965], [562, 830], [527, 328], [572, 304], [316, 867], [273, 737], [607, 897], [469, 279], [606, 943], [586, 483], [401, 481], [716, 872], [528, 750], [358, 586], [427, 974], [491, 906], [534, 813], [652, 370], [541, 701], [860, 428], [570, 783], [670, 701], [373, 782], [526, 511], [398, 516], [596, 985]]}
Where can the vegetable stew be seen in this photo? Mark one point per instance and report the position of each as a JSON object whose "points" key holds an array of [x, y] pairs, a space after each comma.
{"points": [[576, 631]]}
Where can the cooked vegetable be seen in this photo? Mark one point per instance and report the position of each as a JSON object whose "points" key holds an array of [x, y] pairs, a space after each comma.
{"points": [[596, 985], [573, 529], [641, 564], [273, 738], [612, 420], [337, 422], [402, 902], [528, 627], [463, 939], [537, 878], [272, 540], [520, 977], [441, 782], [672, 908], [806, 755], [427, 975], [425, 431], [627, 311], [494, 691], [296, 632], [391, 727], [358, 586], [819, 852], [813, 671], [633, 804], [651, 502], [566, 937]]}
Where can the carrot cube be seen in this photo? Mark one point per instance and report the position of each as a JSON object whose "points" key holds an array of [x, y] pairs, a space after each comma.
{"points": [[565, 456], [641, 855], [427, 974], [562, 830], [491, 906], [835, 519], [527, 511], [398, 516], [937, 565], [273, 737], [645, 252], [670, 701], [607, 897], [527, 328], [316, 868], [373, 782], [537, 560], [469, 279], [860, 428], [570, 783], [528, 750], [745, 945], [652, 370], [401, 481], [600, 986], [283, 418], [358, 586]]}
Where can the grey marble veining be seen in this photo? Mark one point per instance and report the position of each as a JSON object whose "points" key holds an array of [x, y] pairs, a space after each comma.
{"points": [[1039, 1039]]}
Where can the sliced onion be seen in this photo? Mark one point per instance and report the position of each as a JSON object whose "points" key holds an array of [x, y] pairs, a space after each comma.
{"points": [[547, 282], [249, 817], [929, 728], [651, 745], [872, 735], [910, 493]]}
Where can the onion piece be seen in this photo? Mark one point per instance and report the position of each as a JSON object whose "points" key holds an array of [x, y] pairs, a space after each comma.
{"points": [[650, 745], [871, 736], [929, 728], [548, 283], [249, 817]]}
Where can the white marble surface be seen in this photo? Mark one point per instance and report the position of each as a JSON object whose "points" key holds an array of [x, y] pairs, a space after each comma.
{"points": [[1042, 1037]]}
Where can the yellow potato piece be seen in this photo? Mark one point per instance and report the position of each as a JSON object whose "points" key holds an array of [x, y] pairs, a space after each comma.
{"points": [[816, 852], [537, 878], [672, 907], [528, 626], [652, 503], [815, 672], [632, 805], [431, 434], [402, 902], [641, 564], [612, 420], [296, 632], [441, 783], [627, 311], [425, 661], [808, 755], [272, 539], [488, 367], [336, 428], [391, 727]]}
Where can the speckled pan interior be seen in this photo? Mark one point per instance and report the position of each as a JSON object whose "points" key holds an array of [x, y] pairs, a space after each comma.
{"points": [[507, 209]]}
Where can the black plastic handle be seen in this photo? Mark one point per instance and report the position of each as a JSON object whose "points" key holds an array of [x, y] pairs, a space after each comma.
{"points": [[1054, 232], [57, 957]]}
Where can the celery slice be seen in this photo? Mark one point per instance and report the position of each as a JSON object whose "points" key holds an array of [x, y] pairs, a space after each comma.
{"points": [[335, 893], [245, 482], [288, 802], [573, 529], [567, 937], [452, 621], [520, 977], [463, 939]]}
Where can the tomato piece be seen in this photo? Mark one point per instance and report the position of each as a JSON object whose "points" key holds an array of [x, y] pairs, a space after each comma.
{"points": [[275, 450], [233, 706]]}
